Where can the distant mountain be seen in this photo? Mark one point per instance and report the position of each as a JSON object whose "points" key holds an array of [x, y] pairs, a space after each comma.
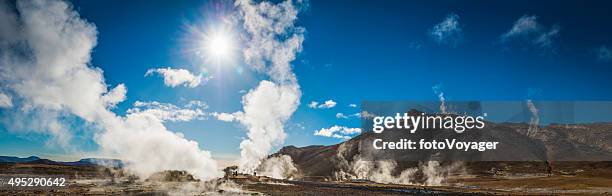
{"points": [[85, 161], [11, 159], [552, 142], [101, 161]]}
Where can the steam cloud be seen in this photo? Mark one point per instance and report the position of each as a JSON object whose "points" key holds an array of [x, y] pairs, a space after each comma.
{"points": [[266, 108], [429, 173], [45, 52], [438, 91], [271, 43], [279, 167], [534, 122]]}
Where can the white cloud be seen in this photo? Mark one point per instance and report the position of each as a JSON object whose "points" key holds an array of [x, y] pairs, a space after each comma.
{"points": [[114, 96], [313, 104], [353, 105], [194, 110], [545, 39], [527, 28], [271, 43], [448, 31], [366, 115], [176, 77], [340, 132], [46, 64], [342, 115], [327, 104], [524, 25], [604, 54], [5, 101], [226, 117]]}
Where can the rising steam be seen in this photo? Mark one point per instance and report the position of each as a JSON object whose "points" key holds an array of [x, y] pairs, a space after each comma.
{"points": [[534, 122], [271, 43], [279, 167], [429, 173], [437, 89]]}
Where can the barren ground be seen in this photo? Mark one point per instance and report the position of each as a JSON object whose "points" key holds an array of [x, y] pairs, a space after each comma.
{"points": [[96, 180]]}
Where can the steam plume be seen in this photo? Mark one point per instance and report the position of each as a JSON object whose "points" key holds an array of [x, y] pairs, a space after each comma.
{"points": [[438, 91], [279, 167], [534, 122], [429, 173], [272, 41]]}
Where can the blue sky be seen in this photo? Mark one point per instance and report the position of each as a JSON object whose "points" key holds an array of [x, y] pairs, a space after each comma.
{"points": [[371, 50]]}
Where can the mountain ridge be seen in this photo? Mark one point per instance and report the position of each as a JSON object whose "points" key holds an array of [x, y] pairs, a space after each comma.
{"points": [[555, 142], [83, 161]]}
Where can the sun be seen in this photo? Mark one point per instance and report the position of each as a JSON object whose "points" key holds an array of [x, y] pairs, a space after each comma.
{"points": [[214, 43], [218, 45]]}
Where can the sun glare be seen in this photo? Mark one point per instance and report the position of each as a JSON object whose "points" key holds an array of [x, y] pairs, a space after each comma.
{"points": [[218, 46]]}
